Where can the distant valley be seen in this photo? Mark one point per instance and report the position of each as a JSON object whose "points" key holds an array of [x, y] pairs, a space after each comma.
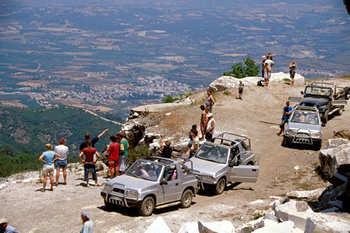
{"points": [[112, 55]]}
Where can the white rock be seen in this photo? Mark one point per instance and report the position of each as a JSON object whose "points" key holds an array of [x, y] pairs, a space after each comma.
{"points": [[217, 226], [251, 226], [189, 227], [272, 226], [158, 226], [226, 82], [257, 202], [331, 159], [306, 194], [334, 142], [328, 222], [296, 211]]}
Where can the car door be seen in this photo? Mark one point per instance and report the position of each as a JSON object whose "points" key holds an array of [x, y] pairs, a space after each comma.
{"points": [[244, 173], [171, 189]]}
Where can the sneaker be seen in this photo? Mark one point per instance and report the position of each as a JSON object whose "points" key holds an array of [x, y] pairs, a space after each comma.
{"points": [[87, 185]]}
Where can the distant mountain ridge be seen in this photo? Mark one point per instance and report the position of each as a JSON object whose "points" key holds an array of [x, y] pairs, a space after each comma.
{"points": [[28, 130]]}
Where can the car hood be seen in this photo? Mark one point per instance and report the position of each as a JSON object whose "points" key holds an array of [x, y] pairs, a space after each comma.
{"points": [[131, 182], [292, 125], [207, 167], [314, 101]]}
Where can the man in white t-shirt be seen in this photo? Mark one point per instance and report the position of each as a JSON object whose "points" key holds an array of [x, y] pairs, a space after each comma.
{"points": [[209, 132], [268, 66], [62, 150]]}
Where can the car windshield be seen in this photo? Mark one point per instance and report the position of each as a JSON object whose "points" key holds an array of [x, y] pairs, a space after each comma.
{"points": [[145, 170], [305, 117], [322, 91], [212, 153]]}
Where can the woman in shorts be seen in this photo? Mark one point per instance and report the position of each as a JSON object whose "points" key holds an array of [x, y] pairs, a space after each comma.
{"points": [[48, 158]]}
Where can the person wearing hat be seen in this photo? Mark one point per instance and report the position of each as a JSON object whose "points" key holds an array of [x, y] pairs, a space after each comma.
{"points": [[5, 228], [61, 162], [210, 127], [88, 225]]}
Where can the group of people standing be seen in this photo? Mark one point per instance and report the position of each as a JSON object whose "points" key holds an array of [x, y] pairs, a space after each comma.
{"points": [[267, 64], [57, 158]]}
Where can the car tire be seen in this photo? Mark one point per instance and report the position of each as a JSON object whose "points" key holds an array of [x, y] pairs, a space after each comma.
{"points": [[108, 205], [324, 118], [318, 145], [147, 206], [340, 111], [186, 199], [285, 142], [220, 186]]}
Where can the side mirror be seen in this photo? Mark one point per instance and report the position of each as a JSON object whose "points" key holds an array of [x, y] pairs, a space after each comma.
{"points": [[163, 182], [302, 92]]}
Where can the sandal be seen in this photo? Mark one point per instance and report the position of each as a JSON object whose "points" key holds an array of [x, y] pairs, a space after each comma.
{"points": [[55, 184], [65, 183], [51, 189], [42, 190]]}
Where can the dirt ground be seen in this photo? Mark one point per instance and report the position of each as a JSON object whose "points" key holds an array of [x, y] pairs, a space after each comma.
{"points": [[257, 115]]}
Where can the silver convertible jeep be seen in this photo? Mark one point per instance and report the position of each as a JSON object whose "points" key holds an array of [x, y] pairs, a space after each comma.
{"points": [[227, 159], [304, 127], [152, 182]]}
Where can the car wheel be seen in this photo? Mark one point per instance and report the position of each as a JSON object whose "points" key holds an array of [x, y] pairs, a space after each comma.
{"points": [[220, 186], [318, 145], [325, 118], [108, 205], [186, 198], [147, 206], [285, 142], [340, 111]]}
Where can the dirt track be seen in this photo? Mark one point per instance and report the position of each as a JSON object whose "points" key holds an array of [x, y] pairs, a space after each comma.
{"points": [[258, 116]]}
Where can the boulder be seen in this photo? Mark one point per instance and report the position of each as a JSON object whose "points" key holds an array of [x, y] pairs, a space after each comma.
{"points": [[158, 226], [313, 194], [295, 211], [134, 132], [227, 82], [335, 142], [327, 222], [252, 226], [331, 159], [272, 226], [345, 133], [329, 195]]}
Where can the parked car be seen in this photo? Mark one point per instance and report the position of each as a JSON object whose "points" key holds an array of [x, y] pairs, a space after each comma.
{"points": [[304, 127], [327, 97], [152, 182], [227, 159]]}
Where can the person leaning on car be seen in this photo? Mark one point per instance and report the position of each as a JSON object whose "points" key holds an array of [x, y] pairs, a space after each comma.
{"points": [[287, 110]]}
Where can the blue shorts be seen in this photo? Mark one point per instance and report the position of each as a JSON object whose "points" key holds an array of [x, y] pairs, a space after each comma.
{"points": [[122, 162], [61, 164]]}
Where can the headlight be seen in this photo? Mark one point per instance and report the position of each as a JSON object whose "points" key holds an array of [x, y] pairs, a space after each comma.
{"points": [[106, 187], [208, 178], [290, 132], [316, 134], [132, 193]]}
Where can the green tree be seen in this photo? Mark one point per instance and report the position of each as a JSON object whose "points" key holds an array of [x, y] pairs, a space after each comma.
{"points": [[245, 69]]}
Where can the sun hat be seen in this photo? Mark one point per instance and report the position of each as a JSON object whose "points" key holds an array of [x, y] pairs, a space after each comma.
{"points": [[3, 220], [85, 214]]}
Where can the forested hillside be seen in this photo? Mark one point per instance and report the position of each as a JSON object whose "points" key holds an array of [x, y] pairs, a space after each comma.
{"points": [[28, 130]]}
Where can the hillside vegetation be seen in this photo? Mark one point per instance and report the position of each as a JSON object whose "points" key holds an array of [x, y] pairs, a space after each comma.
{"points": [[24, 132]]}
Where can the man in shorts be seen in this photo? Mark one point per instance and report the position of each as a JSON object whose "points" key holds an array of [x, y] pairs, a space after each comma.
{"points": [[268, 66], [61, 162], [123, 152]]}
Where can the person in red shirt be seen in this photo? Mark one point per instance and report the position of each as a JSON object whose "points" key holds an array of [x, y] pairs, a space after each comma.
{"points": [[113, 158], [89, 162]]}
